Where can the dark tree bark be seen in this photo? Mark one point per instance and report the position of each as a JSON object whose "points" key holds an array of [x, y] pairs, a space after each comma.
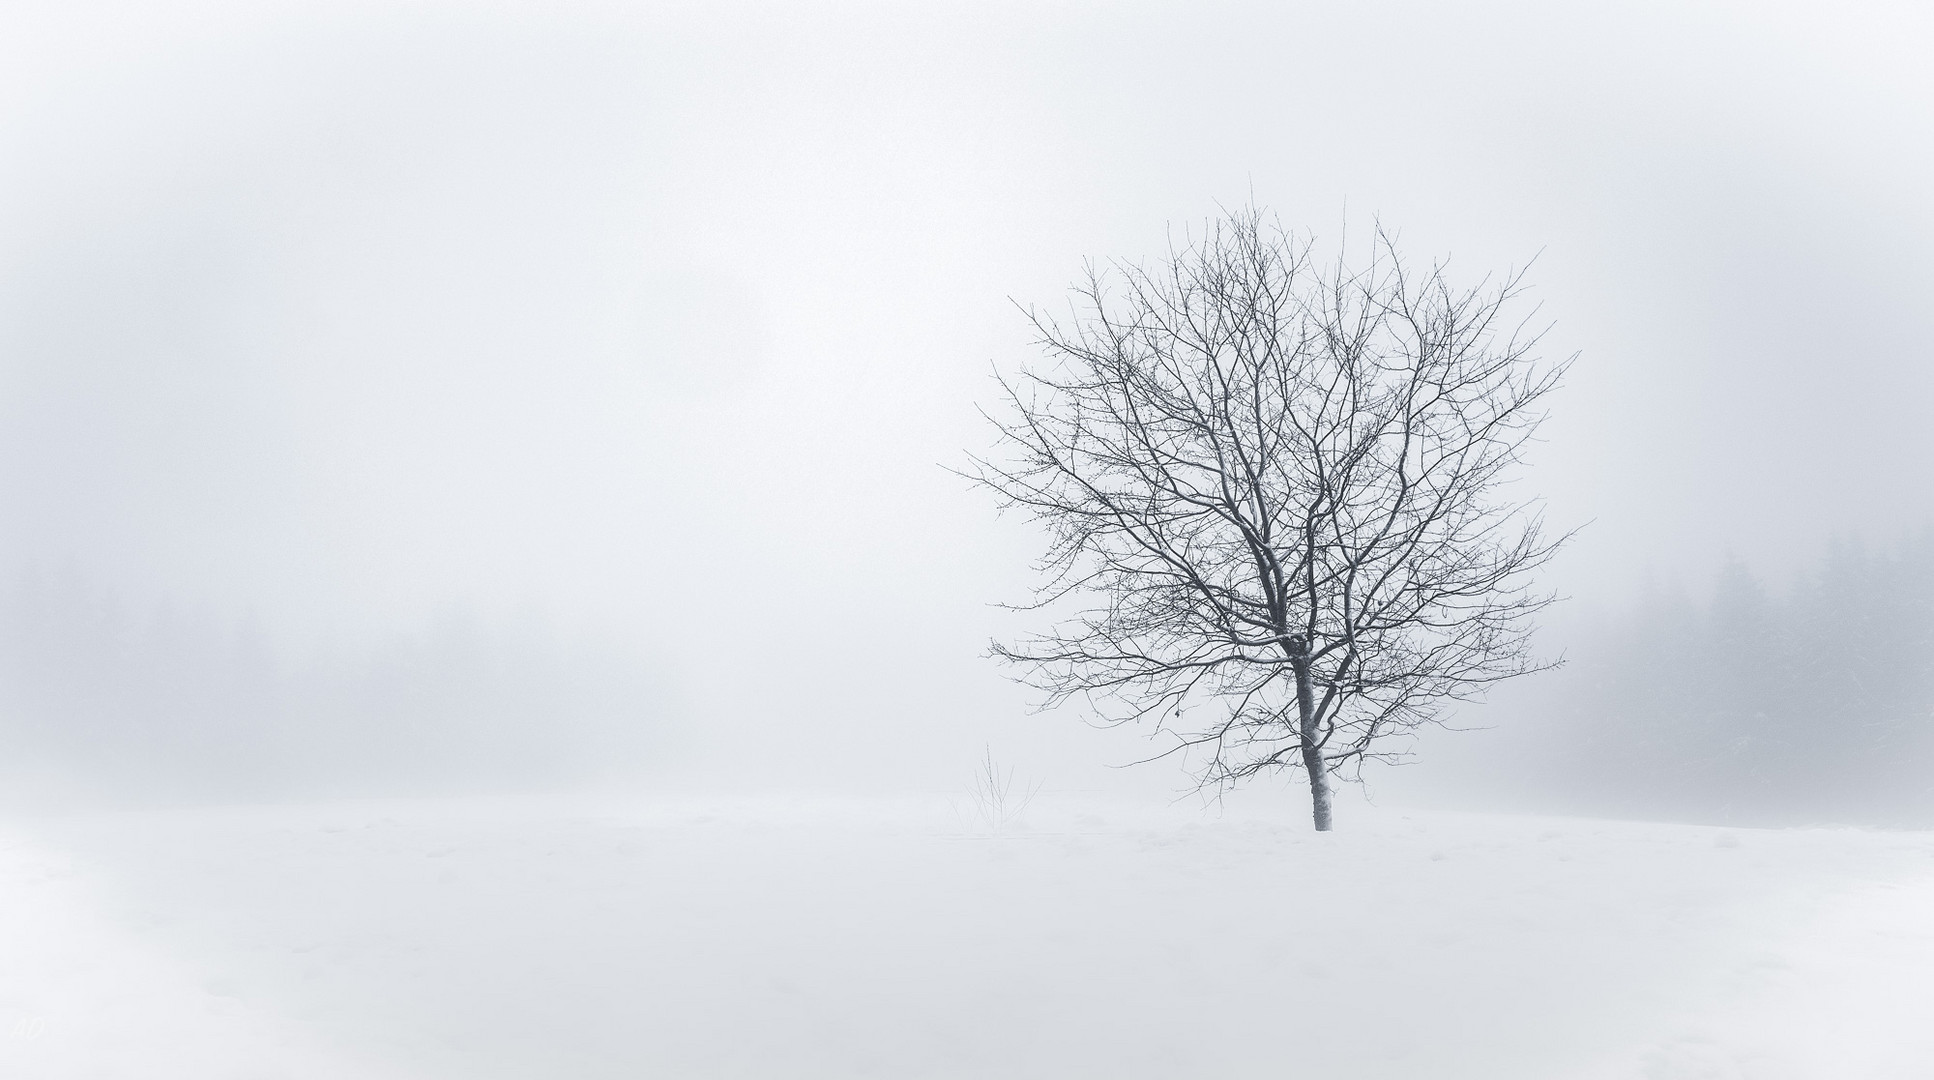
{"points": [[1275, 500]]}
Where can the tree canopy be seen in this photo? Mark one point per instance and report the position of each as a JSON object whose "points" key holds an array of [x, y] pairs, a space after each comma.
{"points": [[1275, 497]]}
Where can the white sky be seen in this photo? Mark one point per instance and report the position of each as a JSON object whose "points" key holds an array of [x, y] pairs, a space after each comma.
{"points": [[660, 321]]}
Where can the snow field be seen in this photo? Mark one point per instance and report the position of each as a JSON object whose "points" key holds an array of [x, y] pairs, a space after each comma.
{"points": [[573, 938]]}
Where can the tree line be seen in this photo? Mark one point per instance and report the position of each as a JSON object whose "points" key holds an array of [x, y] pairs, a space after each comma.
{"points": [[104, 694], [1814, 703]]}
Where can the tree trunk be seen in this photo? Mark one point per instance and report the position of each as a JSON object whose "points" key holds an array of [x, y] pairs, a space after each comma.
{"points": [[1313, 764]]}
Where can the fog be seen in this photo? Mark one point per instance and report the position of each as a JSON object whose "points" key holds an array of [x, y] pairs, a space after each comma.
{"points": [[484, 472], [656, 327]]}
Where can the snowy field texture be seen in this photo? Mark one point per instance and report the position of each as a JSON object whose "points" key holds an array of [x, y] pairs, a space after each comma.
{"points": [[576, 940]]}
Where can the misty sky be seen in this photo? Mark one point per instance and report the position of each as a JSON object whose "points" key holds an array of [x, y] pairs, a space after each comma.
{"points": [[658, 323]]}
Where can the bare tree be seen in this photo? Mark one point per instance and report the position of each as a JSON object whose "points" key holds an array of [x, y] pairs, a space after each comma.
{"points": [[1277, 495]]}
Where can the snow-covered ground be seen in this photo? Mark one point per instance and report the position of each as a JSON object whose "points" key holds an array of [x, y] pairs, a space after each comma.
{"points": [[575, 940]]}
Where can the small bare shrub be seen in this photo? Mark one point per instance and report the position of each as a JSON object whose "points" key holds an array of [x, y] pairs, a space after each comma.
{"points": [[998, 801]]}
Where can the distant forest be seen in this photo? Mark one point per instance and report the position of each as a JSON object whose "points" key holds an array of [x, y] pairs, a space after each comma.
{"points": [[1814, 704], [164, 701]]}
